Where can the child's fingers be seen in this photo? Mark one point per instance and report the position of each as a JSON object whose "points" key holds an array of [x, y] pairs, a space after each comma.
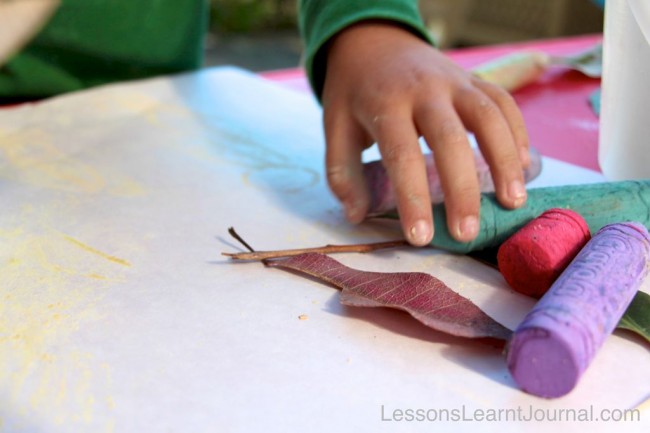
{"points": [[344, 169], [513, 116], [483, 116], [404, 162], [446, 136]]}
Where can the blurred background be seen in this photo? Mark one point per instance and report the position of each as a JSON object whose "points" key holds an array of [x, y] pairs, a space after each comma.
{"points": [[262, 35]]}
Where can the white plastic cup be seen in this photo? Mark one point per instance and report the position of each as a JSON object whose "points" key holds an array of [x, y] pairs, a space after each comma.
{"points": [[624, 145]]}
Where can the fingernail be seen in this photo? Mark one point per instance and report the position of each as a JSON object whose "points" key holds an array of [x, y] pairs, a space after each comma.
{"points": [[420, 233], [517, 193], [349, 212], [352, 212], [468, 228]]}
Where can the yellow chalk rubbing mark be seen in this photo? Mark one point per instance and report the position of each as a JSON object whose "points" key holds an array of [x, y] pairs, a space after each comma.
{"points": [[153, 110], [51, 289], [125, 187], [97, 252], [96, 276], [35, 159]]}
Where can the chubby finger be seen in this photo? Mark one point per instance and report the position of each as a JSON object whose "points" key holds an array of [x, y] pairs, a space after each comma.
{"points": [[513, 116], [482, 115], [446, 136], [398, 143], [345, 141]]}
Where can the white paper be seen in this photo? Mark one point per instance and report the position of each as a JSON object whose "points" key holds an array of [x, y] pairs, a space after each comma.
{"points": [[118, 313]]}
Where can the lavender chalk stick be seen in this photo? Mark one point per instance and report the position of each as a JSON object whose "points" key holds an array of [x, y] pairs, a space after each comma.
{"points": [[560, 336]]}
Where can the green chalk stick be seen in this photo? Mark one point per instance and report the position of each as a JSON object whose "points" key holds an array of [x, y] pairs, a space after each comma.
{"points": [[599, 204]]}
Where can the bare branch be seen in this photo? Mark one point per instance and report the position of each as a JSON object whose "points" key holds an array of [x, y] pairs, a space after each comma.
{"points": [[327, 249]]}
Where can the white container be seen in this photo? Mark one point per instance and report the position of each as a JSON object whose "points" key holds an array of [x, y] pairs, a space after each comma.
{"points": [[624, 146]]}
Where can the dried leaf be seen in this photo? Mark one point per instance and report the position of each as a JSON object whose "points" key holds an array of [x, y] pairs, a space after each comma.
{"points": [[423, 296], [637, 316]]}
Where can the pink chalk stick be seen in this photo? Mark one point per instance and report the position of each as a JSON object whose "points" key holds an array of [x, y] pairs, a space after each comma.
{"points": [[559, 337], [533, 258], [382, 195]]}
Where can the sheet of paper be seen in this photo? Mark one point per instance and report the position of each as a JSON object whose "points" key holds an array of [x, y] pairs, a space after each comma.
{"points": [[118, 313]]}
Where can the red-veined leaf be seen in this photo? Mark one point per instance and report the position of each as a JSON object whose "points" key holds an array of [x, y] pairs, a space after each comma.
{"points": [[423, 296]]}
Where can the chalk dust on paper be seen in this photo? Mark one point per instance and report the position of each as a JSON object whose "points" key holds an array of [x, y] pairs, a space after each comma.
{"points": [[264, 163], [50, 283], [32, 158]]}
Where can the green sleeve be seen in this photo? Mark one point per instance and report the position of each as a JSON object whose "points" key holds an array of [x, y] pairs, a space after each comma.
{"points": [[321, 19], [91, 42]]}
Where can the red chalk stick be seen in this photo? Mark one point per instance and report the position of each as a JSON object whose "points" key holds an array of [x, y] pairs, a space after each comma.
{"points": [[533, 258]]}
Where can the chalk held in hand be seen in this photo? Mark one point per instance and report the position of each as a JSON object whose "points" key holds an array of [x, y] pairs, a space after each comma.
{"points": [[382, 195], [559, 337], [599, 204], [534, 257]]}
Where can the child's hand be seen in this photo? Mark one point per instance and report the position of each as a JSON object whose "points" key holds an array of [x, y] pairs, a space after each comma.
{"points": [[386, 85]]}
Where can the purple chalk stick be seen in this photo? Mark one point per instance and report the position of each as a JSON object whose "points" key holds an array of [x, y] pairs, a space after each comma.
{"points": [[560, 336]]}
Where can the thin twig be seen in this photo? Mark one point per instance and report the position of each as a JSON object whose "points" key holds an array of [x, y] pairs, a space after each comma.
{"points": [[327, 249], [234, 234]]}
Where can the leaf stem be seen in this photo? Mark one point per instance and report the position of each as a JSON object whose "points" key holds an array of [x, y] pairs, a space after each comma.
{"points": [[327, 249]]}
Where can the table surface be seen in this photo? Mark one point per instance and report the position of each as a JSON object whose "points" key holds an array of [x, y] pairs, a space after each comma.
{"points": [[560, 121]]}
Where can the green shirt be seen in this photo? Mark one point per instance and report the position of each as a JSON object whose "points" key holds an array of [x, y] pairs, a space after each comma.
{"points": [[91, 42], [322, 19]]}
